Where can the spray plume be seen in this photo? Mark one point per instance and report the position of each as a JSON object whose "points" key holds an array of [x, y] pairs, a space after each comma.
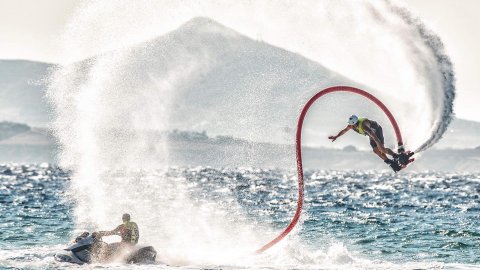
{"points": [[152, 73]]}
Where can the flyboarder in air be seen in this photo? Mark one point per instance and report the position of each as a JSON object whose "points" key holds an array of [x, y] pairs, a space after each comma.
{"points": [[374, 131]]}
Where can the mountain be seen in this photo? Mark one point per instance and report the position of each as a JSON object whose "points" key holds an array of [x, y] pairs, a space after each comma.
{"points": [[212, 77], [225, 83], [461, 134], [205, 76], [32, 136], [24, 144], [22, 92], [10, 129]]}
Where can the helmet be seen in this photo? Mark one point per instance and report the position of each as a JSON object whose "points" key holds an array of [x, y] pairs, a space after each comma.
{"points": [[352, 120], [126, 217]]}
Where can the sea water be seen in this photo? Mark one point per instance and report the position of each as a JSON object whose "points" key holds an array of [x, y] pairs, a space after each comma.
{"points": [[351, 219]]}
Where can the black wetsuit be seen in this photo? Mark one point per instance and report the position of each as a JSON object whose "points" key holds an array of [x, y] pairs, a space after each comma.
{"points": [[377, 129]]}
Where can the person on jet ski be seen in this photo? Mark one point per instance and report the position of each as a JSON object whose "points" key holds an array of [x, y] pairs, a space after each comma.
{"points": [[88, 248], [374, 131], [128, 231]]}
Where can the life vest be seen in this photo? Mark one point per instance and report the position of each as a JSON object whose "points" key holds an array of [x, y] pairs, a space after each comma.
{"points": [[130, 232], [359, 126]]}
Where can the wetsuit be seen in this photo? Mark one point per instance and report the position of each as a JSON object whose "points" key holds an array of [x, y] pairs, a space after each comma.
{"points": [[373, 126]]}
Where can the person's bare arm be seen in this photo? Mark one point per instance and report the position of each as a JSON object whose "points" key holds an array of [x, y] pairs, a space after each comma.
{"points": [[115, 231], [343, 131]]}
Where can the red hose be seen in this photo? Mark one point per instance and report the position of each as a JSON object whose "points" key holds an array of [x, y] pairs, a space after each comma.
{"points": [[298, 142]]}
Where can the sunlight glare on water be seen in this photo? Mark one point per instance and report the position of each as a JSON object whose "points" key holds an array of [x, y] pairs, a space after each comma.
{"points": [[354, 219]]}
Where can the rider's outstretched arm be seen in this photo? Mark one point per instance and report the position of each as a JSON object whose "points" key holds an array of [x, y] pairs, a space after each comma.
{"points": [[343, 131], [115, 231]]}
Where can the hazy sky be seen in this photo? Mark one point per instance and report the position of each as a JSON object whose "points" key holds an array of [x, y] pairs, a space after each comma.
{"points": [[29, 30]]}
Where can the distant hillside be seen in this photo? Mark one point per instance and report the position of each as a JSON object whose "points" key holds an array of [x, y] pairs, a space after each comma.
{"points": [[21, 143], [223, 82], [22, 92], [33, 136], [9, 129], [187, 148], [461, 134], [204, 151]]}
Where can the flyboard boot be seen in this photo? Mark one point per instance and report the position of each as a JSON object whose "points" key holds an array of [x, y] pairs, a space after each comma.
{"points": [[393, 164], [403, 158]]}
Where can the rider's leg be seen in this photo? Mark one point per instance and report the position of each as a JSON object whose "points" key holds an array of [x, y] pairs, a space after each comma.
{"points": [[379, 153], [376, 150], [379, 134]]}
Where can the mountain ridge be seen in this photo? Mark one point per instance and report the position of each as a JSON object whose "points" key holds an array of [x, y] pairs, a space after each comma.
{"points": [[227, 83]]}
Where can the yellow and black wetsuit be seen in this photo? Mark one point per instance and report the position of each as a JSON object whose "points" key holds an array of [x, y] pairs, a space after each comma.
{"points": [[373, 126]]}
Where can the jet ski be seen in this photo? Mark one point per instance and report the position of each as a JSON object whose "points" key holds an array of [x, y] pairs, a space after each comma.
{"points": [[89, 248]]}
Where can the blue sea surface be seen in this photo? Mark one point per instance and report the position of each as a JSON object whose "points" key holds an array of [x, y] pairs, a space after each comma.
{"points": [[34, 209], [410, 220]]}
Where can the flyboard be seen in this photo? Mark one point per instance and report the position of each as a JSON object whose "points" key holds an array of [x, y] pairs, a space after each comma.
{"points": [[404, 157]]}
